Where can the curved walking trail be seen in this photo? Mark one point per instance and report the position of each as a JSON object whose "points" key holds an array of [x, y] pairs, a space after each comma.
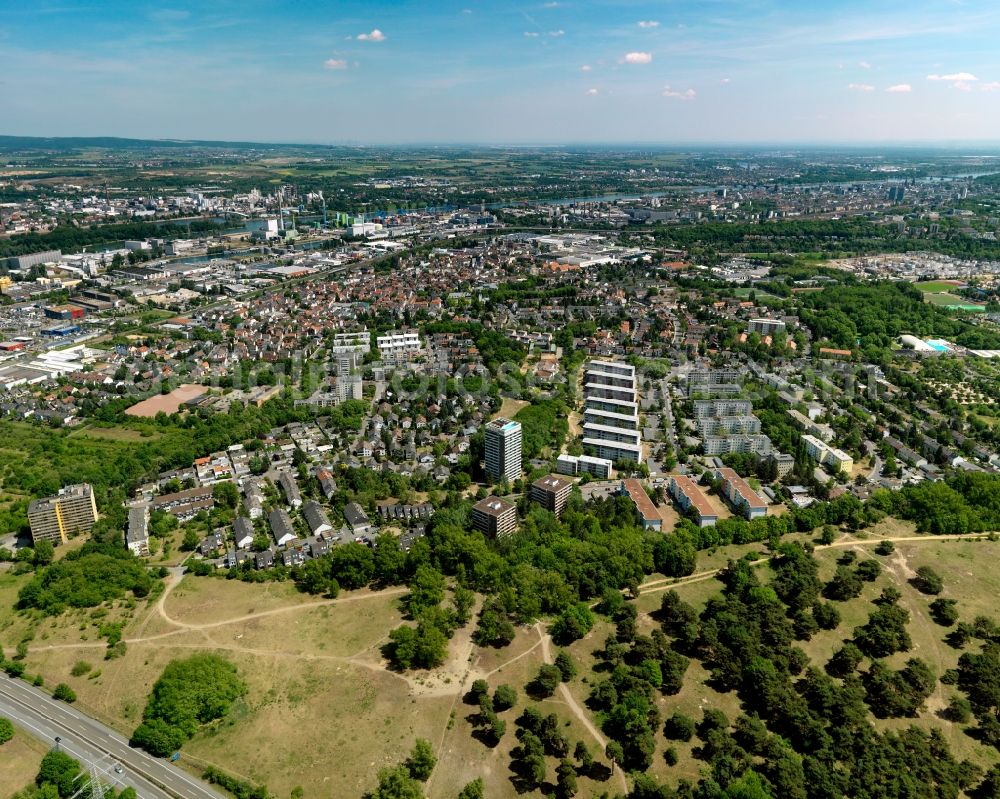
{"points": [[666, 583]]}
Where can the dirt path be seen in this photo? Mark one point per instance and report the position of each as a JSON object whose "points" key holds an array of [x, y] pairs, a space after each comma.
{"points": [[185, 626], [666, 583], [545, 640]]}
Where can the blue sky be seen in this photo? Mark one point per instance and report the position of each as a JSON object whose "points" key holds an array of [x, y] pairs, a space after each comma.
{"points": [[508, 72]]}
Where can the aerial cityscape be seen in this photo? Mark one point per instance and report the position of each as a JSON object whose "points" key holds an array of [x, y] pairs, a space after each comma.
{"points": [[596, 398]]}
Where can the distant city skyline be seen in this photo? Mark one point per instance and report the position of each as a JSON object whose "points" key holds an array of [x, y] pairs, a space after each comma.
{"points": [[568, 71]]}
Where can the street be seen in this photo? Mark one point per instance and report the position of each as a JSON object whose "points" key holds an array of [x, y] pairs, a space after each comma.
{"points": [[90, 741]]}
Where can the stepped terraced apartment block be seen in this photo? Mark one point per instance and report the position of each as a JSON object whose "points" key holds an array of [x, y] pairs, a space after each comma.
{"points": [[611, 412]]}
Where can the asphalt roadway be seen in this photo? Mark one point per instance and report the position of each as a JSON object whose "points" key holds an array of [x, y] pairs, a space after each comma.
{"points": [[90, 741]]}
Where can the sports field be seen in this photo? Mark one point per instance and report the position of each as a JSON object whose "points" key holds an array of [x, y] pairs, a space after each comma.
{"points": [[944, 299], [938, 286]]}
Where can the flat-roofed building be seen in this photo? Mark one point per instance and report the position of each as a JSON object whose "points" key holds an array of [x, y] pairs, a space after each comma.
{"points": [[495, 517], [689, 496], [396, 346], [611, 412], [727, 425], [585, 464], [750, 444], [722, 407], [626, 421], [360, 340], [619, 406], [605, 391], [826, 455], [648, 513], [73, 510], [765, 327], [34, 259], [783, 463], [601, 432], [137, 532], [741, 497], [503, 450], [613, 451], [612, 368], [551, 492]]}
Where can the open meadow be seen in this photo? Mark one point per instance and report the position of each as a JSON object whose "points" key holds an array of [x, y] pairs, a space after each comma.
{"points": [[324, 712]]}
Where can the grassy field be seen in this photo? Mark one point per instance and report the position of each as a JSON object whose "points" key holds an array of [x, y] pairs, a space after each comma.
{"points": [[937, 286], [318, 684], [509, 407], [115, 433], [19, 760], [946, 300]]}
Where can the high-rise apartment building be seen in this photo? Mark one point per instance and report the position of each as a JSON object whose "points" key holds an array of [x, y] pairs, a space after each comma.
{"points": [[73, 510], [503, 450], [611, 416]]}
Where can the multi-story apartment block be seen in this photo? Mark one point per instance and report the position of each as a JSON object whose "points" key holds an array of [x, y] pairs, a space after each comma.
{"points": [[826, 455], [137, 532], [585, 464], [650, 516], [611, 415], [398, 347], [765, 327], [722, 407], [688, 495], [740, 496], [360, 341], [503, 449], [73, 510], [723, 445], [551, 492], [728, 425], [783, 463], [494, 516]]}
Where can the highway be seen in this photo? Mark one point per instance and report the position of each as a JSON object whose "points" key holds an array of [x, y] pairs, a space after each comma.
{"points": [[90, 741]]}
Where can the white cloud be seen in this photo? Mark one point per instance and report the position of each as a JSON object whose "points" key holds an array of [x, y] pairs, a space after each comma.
{"points": [[686, 94], [861, 87], [557, 33], [724, 80], [900, 88], [649, 23], [585, 68], [965, 77], [591, 92], [531, 34], [637, 58], [864, 65], [992, 86], [335, 63], [375, 36]]}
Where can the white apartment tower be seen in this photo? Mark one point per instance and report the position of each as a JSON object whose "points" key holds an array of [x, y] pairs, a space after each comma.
{"points": [[503, 450]]}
